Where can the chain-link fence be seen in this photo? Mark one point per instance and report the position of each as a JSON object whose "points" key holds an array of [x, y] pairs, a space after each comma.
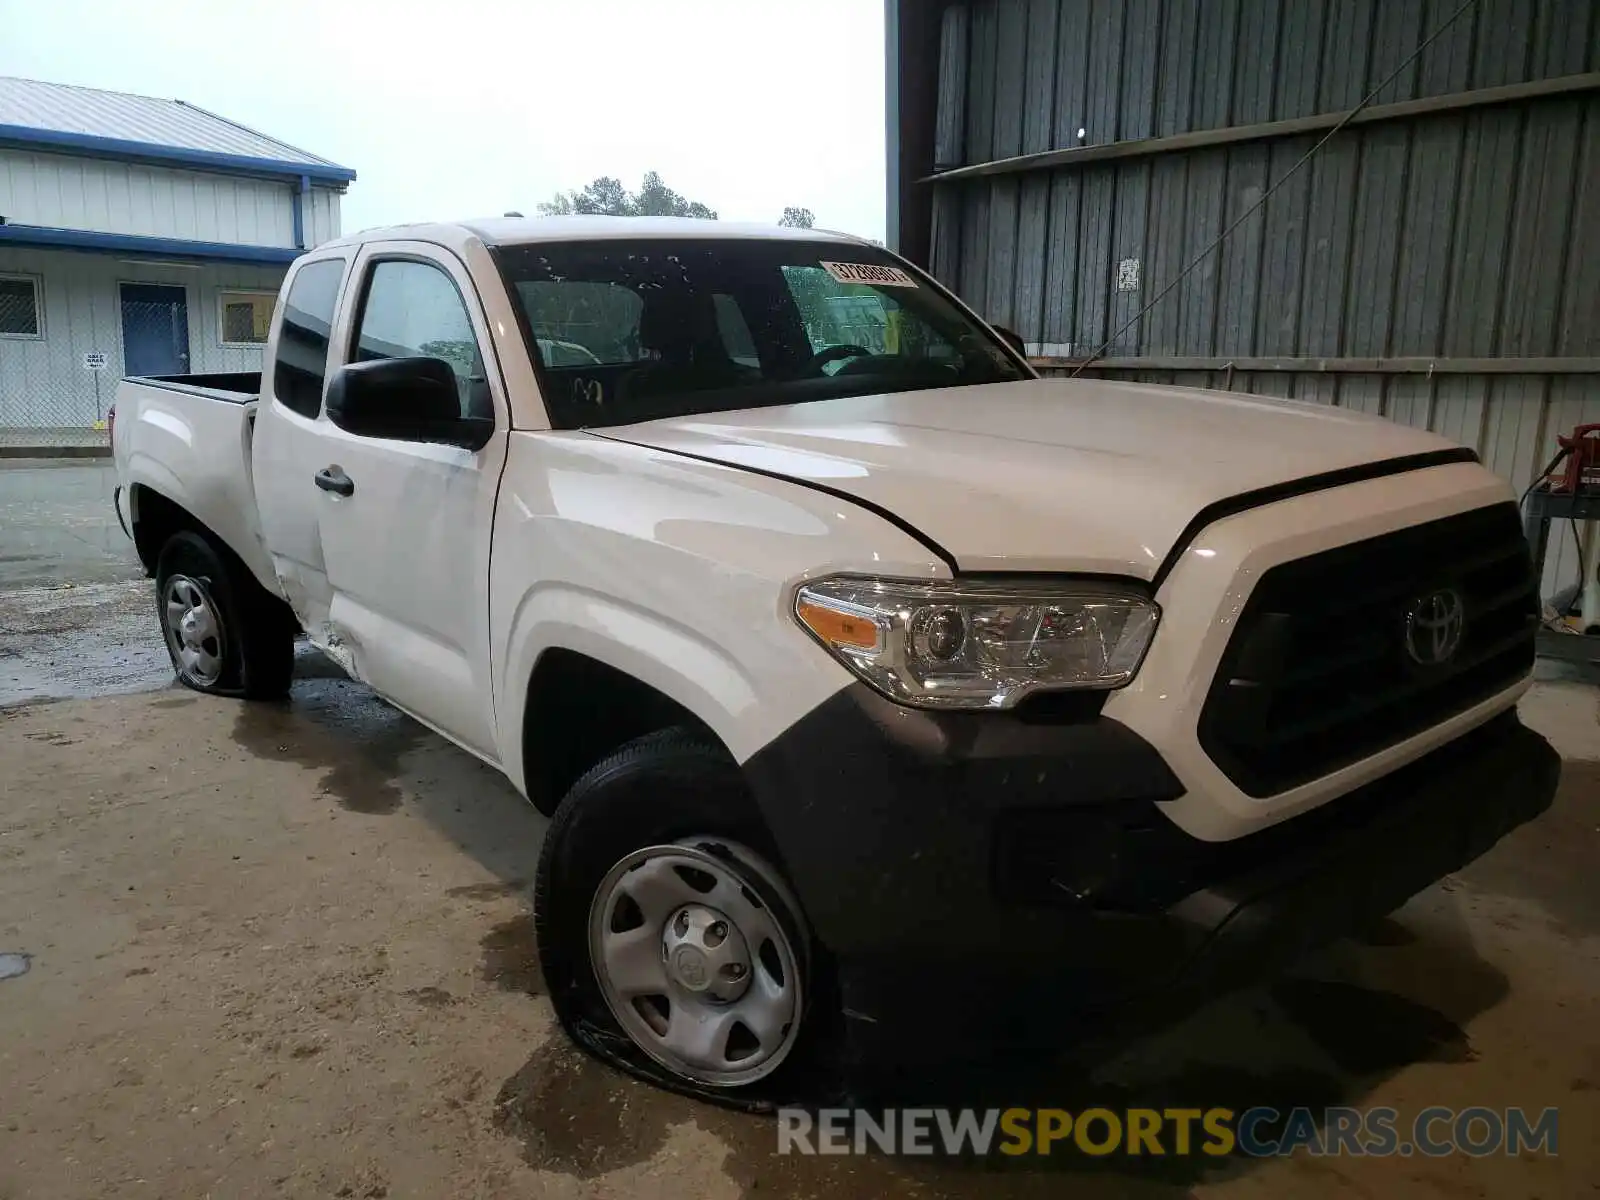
{"points": [[42, 405], [61, 401], [36, 408], [72, 326], [52, 395]]}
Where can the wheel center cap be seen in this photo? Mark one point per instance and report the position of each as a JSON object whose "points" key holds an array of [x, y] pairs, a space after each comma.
{"points": [[706, 953], [690, 966]]}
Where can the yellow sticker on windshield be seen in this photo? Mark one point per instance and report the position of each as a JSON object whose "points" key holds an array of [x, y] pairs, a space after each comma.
{"points": [[869, 273]]}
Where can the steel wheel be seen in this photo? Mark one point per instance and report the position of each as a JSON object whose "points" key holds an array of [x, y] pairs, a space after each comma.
{"points": [[695, 962], [194, 630]]}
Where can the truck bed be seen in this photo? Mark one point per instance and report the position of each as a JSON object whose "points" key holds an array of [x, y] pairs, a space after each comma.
{"points": [[188, 438], [233, 387]]}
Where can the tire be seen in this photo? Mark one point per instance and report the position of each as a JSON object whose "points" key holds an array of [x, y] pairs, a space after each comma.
{"points": [[226, 635], [658, 800]]}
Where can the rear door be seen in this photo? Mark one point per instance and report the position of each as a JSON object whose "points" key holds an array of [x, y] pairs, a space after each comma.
{"points": [[407, 550], [288, 448]]}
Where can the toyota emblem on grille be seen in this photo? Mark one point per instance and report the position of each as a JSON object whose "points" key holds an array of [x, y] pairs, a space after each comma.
{"points": [[1434, 625]]}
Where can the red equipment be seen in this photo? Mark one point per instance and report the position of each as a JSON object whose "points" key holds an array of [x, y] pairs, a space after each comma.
{"points": [[1581, 451]]}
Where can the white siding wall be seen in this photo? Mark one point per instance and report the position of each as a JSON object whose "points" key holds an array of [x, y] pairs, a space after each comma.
{"points": [[43, 383], [322, 216], [112, 197]]}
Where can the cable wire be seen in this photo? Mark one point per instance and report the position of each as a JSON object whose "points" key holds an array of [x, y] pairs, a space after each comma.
{"points": [[1267, 195], [1572, 523]]}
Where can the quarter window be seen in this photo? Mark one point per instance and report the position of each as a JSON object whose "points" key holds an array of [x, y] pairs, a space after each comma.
{"points": [[19, 307], [302, 361], [414, 310]]}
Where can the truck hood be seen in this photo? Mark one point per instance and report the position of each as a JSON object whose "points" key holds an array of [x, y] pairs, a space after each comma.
{"points": [[1047, 474]]}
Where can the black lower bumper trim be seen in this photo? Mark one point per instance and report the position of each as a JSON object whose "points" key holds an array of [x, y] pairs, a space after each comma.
{"points": [[886, 816], [1402, 834], [891, 825]]}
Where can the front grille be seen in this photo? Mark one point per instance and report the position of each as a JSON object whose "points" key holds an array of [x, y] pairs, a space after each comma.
{"points": [[1318, 675]]}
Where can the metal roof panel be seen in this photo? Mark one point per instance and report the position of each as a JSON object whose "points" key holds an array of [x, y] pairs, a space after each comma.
{"points": [[89, 113]]}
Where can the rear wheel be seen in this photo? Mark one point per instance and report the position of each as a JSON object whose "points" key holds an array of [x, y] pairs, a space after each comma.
{"points": [[226, 635], [662, 918]]}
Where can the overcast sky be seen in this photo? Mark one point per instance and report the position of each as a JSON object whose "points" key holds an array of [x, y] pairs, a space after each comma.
{"points": [[461, 108]]}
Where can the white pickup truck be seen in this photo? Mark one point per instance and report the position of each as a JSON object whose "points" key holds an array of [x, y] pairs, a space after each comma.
{"points": [[885, 695]]}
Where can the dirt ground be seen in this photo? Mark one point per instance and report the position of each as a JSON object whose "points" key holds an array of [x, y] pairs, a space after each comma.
{"points": [[285, 950]]}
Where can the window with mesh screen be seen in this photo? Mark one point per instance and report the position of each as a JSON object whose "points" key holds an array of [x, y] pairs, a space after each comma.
{"points": [[19, 307], [246, 317]]}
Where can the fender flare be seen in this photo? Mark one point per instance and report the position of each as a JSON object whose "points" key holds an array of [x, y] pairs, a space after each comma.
{"points": [[678, 662]]}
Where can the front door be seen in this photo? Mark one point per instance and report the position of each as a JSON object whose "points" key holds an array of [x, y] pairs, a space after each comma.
{"points": [[155, 329], [407, 550]]}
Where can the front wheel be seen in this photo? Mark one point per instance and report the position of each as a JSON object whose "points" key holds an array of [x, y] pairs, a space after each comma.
{"points": [[225, 634], [662, 918]]}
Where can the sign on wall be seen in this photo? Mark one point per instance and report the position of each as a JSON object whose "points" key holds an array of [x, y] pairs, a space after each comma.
{"points": [[94, 360]]}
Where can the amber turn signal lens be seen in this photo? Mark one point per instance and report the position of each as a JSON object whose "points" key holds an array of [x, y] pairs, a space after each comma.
{"points": [[838, 628]]}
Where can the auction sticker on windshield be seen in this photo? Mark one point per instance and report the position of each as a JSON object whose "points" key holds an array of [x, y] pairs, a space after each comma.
{"points": [[869, 273]]}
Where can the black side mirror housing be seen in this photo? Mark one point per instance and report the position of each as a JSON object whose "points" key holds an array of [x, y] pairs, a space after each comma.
{"points": [[407, 399], [1013, 339]]}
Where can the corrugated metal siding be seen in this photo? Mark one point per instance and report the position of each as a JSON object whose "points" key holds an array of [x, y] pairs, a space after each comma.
{"points": [[111, 197], [1039, 76], [1172, 66], [1468, 234], [43, 383], [322, 216], [949, 131], [1458, 235]]}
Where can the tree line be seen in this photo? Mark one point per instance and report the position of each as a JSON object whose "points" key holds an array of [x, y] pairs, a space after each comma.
{"points": [[609, 197]]}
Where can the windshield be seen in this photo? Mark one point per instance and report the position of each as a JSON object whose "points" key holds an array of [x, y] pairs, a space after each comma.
{"points": [[627, 330]]}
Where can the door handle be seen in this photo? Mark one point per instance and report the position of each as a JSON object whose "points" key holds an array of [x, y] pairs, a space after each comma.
{"points": [[333, 479]]}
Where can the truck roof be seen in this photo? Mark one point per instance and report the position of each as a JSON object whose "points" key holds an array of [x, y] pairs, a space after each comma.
{"points": [[514, 231]]}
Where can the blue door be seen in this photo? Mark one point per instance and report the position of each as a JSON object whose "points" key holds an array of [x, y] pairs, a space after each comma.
{"points": [[155, 329]]}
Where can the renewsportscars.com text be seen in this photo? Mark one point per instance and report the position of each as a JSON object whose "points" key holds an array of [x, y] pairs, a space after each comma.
{"points": [[1149, 1132]]}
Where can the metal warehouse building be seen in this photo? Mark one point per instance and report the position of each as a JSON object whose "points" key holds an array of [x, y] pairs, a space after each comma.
{"points": [[1060, 162], [137, 236]]}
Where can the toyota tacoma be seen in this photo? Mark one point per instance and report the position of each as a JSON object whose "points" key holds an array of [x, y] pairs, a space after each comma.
{"points": [[881, 693]]}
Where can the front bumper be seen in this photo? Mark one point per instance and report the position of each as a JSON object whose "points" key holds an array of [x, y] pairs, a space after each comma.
{"points": [[991, 872]]}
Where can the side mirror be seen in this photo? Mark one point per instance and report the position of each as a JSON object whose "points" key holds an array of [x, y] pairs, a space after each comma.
{"points": [[407, 399], [1013, 339]]}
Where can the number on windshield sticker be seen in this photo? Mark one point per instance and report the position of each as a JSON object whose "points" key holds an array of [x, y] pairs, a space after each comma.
{"points": [[869, 273]]}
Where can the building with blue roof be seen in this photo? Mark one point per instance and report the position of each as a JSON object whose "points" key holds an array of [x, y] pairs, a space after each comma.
{"points": [[138, 236]]}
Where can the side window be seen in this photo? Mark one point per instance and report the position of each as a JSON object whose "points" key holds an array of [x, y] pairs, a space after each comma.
{"points": [[413, 310], [302, 360]]}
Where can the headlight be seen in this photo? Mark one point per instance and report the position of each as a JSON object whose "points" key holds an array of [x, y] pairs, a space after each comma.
{"points": [[969, 644]]}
